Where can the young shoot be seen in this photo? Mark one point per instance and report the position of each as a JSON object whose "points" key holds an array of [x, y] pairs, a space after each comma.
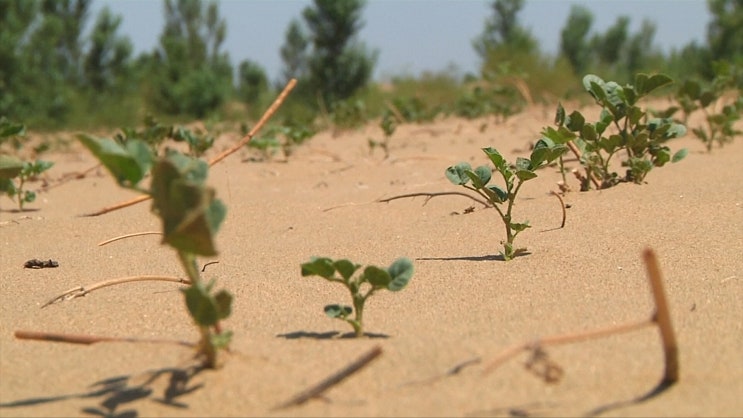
{"points": [[371, 280], [514, 176]]}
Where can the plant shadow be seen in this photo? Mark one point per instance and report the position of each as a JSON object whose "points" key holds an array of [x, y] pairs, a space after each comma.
{"points": [[657, 390], [118, 392], [487, 257], [330, 335]]}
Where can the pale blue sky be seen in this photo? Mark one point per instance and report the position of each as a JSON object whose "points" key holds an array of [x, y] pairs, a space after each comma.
{"points": [[415, 35]]}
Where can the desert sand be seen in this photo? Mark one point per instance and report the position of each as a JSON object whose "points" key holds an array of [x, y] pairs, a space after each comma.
{"points": [[437, 336]]}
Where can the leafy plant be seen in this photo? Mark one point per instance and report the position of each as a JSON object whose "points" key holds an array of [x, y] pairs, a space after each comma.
{"points": [[372, 279], [388, 125], [545, 151], [692, 96], [14, 172], [642, 139], [191, 216], [154, 134]]}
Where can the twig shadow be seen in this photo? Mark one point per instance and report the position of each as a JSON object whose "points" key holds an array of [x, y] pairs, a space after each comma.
{"points": [[657, 390], [487, 257], [117, 392], [327, 335]]}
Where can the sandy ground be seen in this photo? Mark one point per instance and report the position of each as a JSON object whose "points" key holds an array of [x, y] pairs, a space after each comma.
{"points": [[462, 307]]}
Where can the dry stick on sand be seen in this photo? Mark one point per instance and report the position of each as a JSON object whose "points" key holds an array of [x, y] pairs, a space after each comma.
{"points": [[90, 339], [562, 206], [81, 291], [136, 234], [428, 196], [332, 380], [262, 121], [661, 318]]}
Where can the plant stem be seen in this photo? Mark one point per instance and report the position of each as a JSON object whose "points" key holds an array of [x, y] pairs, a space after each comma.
{"points": [[205, 346]]}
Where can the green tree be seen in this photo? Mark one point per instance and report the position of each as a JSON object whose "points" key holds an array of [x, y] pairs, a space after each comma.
{"points": [[503, 29], [639, 53], [191, 76], [725, 34], [339, 64], [107, 63], [252, 82], [574, 39], [294, 53], [16, 16], [608, 46]]}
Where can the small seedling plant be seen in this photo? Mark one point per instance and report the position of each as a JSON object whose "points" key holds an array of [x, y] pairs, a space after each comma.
{"points": [[388, 123], [16, 173], [362, 286], [155, 134], [692, 96], [623, 127], [191, 216], [514, 176]]}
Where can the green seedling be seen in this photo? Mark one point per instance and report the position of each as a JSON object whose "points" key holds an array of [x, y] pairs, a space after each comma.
{"points": [[154, 134], [15, 174], [388, 125], [372, 279], [719, 127], [190, 215], [623, 126], [514, 176]]}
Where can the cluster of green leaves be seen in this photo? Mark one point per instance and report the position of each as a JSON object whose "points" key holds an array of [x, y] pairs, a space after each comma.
{"points": [[388, 123], [514, 176], [286, 138], [623, 127], [692, 96], [494, 95], [155, 133], [371, 280], [14, 172], [348, 114], [190, 215]]}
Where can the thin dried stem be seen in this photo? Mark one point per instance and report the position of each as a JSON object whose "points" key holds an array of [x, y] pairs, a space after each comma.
{"points": [[576, 151], [332, 380], [90, 339], [430, 196], [562, 206], [262, 121], [512, 351], [80, 291], [136, 234], [662, 318]]}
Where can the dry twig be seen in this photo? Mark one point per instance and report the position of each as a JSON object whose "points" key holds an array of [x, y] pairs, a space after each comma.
{"points": [[562, 206], [136, 234], [262, 121], [90, 339], [661, 318], [80, 291], [332, 380]]}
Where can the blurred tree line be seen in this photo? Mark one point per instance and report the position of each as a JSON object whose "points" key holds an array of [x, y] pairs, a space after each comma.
{"points": [[55, 72]]}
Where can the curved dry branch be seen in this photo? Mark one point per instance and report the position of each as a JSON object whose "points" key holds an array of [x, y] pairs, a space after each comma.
{"points": [[430, 196], [90, 339], [661, 317], [80, 291], [562, 206], [262, 121], [136, 234]]}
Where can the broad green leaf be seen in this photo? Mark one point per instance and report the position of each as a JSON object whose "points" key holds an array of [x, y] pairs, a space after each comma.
{"points": [[128, 165], [338, 311], [223, 301], [575, 121], [477, 182], [8, 129], [525, 175], [484, 174], [221, 340], [496, 158], [318, 266], [589, 133], [190, 213], [10, 167], [679, 155], [692, 89], [201, 306], [496, 194], [401, 271], [645, 84], [518, 227], [594, 85], [345, 268], [376, 276], [457, 173]]}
